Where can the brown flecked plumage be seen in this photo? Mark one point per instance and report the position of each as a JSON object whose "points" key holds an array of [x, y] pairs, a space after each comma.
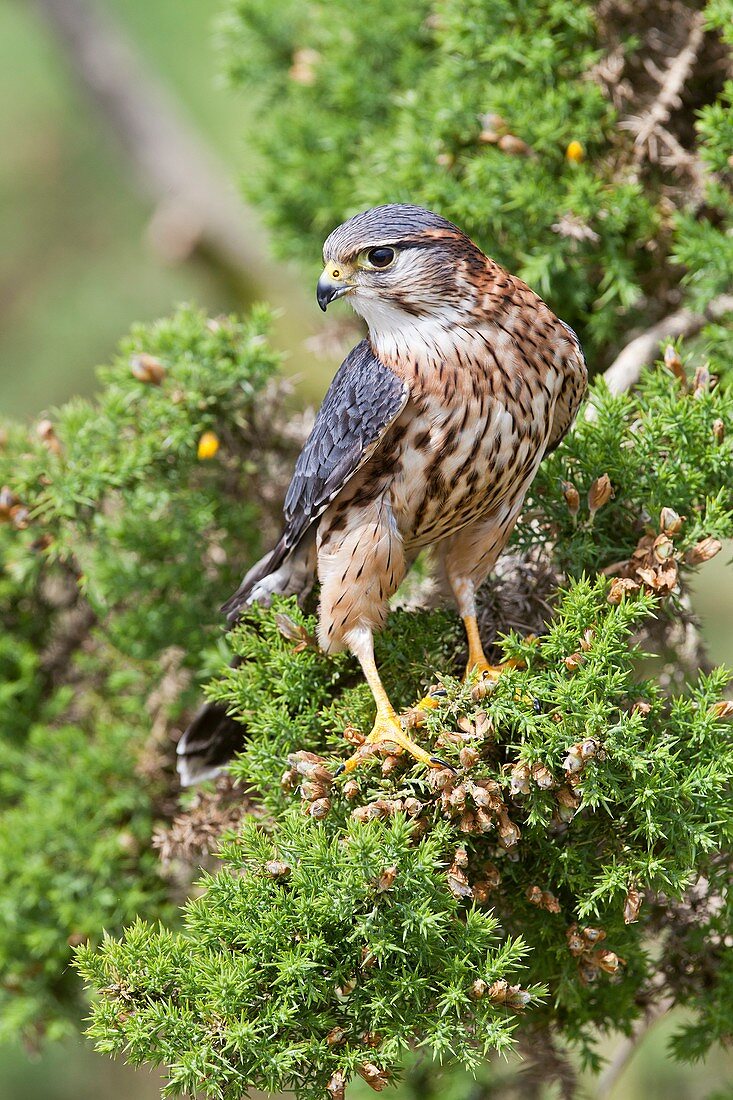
{"points": [[430, 434]]}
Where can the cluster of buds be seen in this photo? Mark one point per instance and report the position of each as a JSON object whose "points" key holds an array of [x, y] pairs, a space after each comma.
{"points": [[501, 993], [383, 808], [543, 899], [703, 381], [495, 131], [578, 756], [521, 775], [592, 959], [654, 563], [12, 510], [488, 878], [478, 805], [309, 772], [468, 738], [146, 368]]}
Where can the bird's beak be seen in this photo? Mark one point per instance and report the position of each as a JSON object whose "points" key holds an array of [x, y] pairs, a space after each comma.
{"points": [[331, 286]]}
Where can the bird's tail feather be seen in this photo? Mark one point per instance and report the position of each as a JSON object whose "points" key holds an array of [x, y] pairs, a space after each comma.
{"points": [[213, 737]]}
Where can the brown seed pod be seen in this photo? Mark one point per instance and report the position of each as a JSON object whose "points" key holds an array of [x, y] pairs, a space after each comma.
{"points": [[673, 363], [543, 777], [386, 879], [477, 989], [468, 757], [620, 587], [719, 430], [336, 1036], [632, 905], [663, 548], [509, 143], [375, 1077], [277, 869], [574, 661], [703, 551], [592, 936], [587, 640], [599, 493], [320, 808], [351, 790], [670, 521], [146, 368], [576, 944], [519, 779], [608, 961], [533, 895], [703, 381], [572, 497], [336, 1087], [723, 709]]}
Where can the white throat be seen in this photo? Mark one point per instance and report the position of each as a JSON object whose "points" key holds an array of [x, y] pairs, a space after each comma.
{"points": [[395, 334]]}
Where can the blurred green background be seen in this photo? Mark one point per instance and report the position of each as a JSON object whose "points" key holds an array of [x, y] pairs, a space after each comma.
{"points": [[76, 268]]}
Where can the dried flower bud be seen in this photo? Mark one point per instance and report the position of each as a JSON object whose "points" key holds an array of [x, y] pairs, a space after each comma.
{"points": [[509, 833], [509, 143], [572, 497], [576, 944], [368, 960], [703, 551], [574, 661], [608, 961], [343, 992], [575, 152], [390, 764], [460, 859], [499, 990], [208, 446], [663, 548], [488, 137], [413, 806], [492, 121], [303, 69], [336, 1087], [641, 707], [276, 869], [490, 874], [573, 762], [543, 777], [632, 905], [336, 1036], [376, 1078], [351, 790], [670, 521], [719, 430], [587, 640], [478, 989], [370, 1038], [673, 363], [620, 587], [599, 493], [386, 879], [723, 709], [146, 368], [288, 780], [549, 902], [482, 891], [702, 381], [587, 970], [533, 895], [519, 779], [320, 808], [468, 757], [353, 736], [592, 936], [458, 883]]}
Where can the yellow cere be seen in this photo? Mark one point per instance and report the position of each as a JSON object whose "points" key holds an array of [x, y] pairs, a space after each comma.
{"points": [[208, 445]]}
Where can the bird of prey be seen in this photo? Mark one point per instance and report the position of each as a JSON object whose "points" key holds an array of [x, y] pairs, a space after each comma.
{"points": [[429, 436]]}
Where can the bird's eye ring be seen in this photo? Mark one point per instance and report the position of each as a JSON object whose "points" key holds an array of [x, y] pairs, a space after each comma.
{"points": [[380, 257]]}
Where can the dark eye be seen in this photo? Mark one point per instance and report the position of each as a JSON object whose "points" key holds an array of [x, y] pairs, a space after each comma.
{"points": [[380, 257]]}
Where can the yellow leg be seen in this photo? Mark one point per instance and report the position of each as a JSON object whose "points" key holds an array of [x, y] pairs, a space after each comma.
{"points": [[477, 658], [387, 726]]}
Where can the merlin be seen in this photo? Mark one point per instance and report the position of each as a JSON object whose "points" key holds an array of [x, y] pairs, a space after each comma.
{"points": [[429, 437]]}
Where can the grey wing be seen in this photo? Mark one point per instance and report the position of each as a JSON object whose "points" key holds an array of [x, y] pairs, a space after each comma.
{"points": [[572, 391], [363, 400]]}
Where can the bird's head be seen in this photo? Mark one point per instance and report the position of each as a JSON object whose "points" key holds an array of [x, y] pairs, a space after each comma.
{"points": [[398, 264]]}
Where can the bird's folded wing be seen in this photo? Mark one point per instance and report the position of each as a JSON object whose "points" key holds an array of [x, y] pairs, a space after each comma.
{"points": [[363, 400]]}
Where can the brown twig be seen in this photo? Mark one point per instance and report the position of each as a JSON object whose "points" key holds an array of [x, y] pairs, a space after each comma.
{"points": [[648, 129], [626, 368]]}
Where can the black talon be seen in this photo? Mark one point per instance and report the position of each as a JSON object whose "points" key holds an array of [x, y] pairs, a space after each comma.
{"points": [[438, 693], [339, 769], [443, 764]]}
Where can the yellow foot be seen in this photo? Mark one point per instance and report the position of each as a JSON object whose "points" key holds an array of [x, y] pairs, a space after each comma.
{"points": [[388, 731], [489, 673]]}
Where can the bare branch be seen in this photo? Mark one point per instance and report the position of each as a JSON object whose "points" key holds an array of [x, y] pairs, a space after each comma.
{"points": [[625, 370]]}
